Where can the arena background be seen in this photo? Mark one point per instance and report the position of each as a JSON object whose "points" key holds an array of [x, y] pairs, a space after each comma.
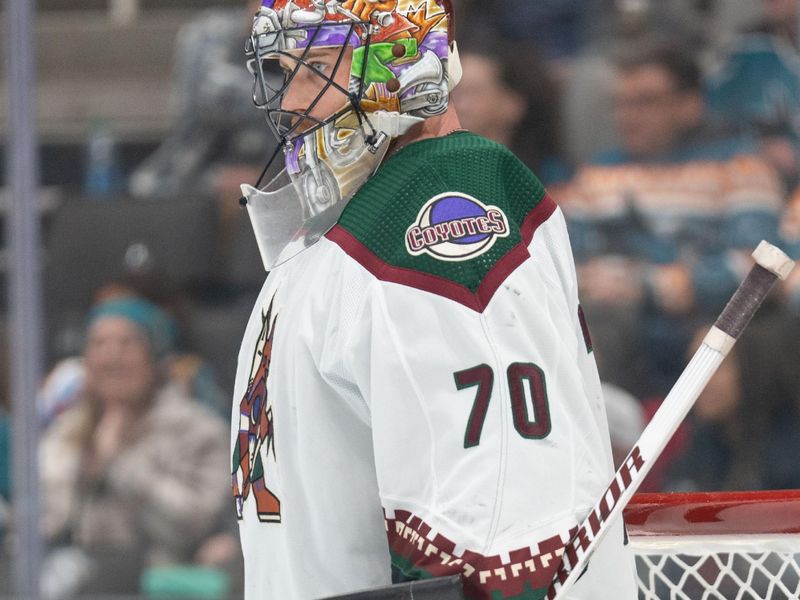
{"points": [[88, 94]]}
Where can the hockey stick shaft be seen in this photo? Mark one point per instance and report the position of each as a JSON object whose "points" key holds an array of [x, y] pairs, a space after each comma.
{"points": [[771, 265]]}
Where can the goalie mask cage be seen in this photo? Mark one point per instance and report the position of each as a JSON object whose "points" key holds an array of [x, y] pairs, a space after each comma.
{"points": [[716, 546]]}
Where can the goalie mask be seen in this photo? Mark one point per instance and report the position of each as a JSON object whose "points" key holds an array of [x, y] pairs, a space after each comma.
{"points": [[402, 66]]}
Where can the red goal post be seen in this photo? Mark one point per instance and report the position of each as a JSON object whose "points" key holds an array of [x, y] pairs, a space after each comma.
{"points": [[716, 546]]}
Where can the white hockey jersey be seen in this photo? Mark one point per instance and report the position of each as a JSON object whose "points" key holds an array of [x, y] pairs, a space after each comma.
{"points": [[417, 391]]}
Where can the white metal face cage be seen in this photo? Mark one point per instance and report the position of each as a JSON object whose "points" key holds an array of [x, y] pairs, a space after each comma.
{"points": [[288, 124]]}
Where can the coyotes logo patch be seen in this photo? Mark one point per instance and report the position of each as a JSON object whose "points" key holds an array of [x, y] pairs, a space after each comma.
{"points": [[455, 227], [256, 432]]}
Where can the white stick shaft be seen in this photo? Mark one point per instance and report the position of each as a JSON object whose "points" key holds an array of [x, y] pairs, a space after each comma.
{"points": [[638, 463], [679, 401], [771, 265]]}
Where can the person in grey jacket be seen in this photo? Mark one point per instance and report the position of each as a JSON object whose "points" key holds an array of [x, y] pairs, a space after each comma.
{"points": [[133, 473]]}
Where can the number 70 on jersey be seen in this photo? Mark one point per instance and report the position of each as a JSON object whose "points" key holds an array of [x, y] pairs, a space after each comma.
{"points": [[527, 392]]}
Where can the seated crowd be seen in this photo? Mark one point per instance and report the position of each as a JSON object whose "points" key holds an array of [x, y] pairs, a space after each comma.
{"points": [[705, 163], [701, 163]]}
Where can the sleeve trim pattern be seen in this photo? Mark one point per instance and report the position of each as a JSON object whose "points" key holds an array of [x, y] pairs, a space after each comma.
{"points": [[478, 300], [419, 552]]}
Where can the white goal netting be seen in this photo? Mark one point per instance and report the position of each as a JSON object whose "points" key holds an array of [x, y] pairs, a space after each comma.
{"points": [[719, 569], [717, 546]]}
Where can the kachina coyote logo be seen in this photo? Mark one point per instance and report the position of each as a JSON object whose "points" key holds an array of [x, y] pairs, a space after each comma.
{"points": [[256, 432], [455, 227]]}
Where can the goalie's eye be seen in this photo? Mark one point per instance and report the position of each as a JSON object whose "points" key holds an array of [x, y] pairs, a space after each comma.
{"points": [[319, 67]]}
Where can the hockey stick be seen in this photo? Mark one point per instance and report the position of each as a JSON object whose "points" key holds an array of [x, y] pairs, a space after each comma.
{"points": [[771, 265]]}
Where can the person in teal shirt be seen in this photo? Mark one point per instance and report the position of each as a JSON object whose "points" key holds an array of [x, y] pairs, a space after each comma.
{"points": [[757, 86]]}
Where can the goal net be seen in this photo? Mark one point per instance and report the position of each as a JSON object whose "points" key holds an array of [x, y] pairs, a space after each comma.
{"points": [[716, 546]]}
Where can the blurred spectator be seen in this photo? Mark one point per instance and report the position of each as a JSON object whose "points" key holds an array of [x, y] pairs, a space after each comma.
{"points": [[5, 426], [662, 226], [719, 454], [757, 85], [5, 483], [219, 139], [606, 21], [790, 233], [182, 366], [64, 384], [507, 95], [587, 79], [587, 106], [561, 29], [133, 473], [743, 428], [625, 420], [656, 480], [790, 227], [5, 458], [61, 389], [555, 25]]}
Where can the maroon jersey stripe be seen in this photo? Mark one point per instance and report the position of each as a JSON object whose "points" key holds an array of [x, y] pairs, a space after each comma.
{"points": [[477, 301]]}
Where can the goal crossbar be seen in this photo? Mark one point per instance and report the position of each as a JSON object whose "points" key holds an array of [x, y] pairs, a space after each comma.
{"points": [[716, 546]]}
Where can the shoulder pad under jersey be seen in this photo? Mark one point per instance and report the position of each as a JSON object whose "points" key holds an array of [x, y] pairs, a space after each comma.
{"points": [[452, 216]]}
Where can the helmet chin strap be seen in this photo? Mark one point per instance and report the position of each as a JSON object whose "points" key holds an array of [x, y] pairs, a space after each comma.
{"points": [[384, 124], [454, 69], [393, 124]]}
